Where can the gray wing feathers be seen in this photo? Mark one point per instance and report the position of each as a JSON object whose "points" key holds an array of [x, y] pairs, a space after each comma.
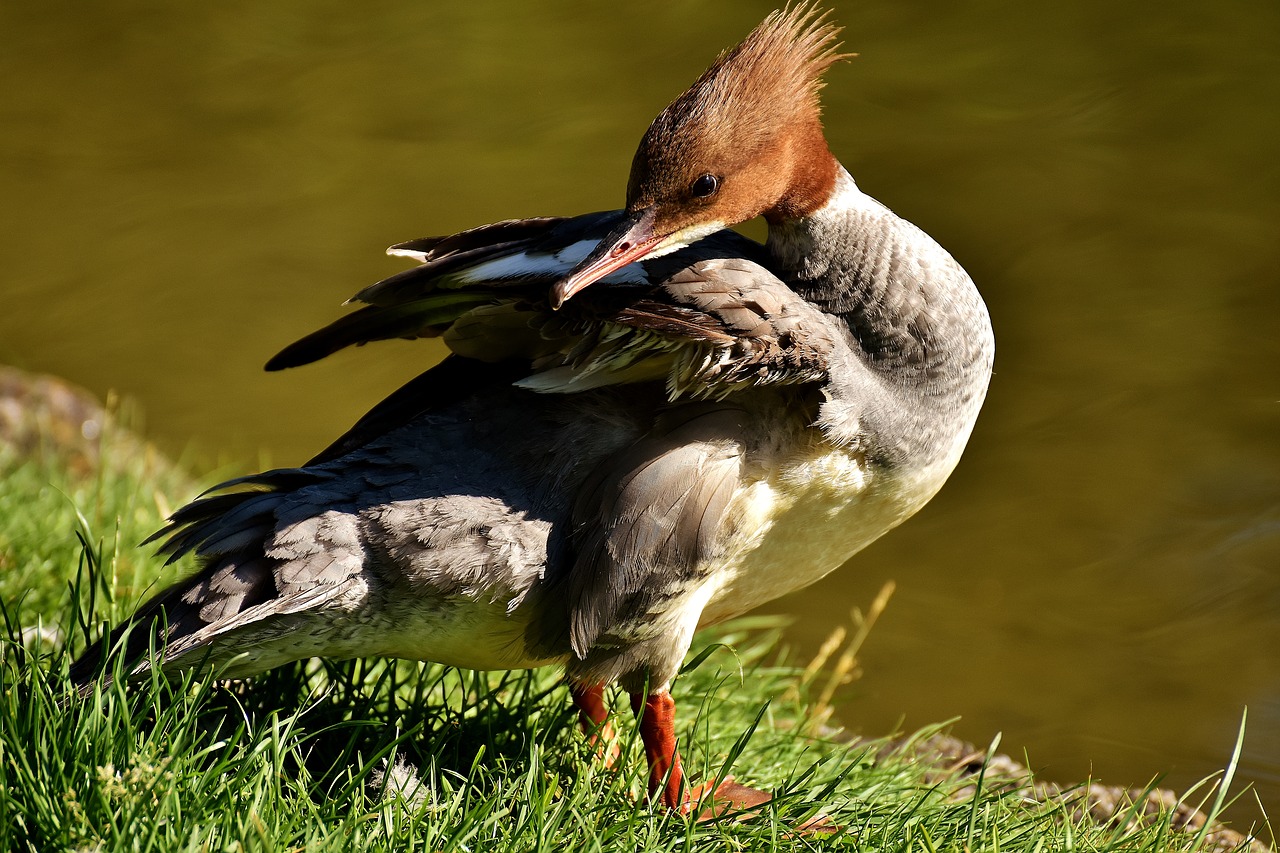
{"points": [[771, 335], [647, 523], [461, 545], [715, 326], [225, 606], [265, 567], [266, 555]]}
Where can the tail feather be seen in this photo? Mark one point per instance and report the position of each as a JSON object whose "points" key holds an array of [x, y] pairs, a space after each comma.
{"points": [[162, 623], [264, 616], [368, 324], [236, 584]]}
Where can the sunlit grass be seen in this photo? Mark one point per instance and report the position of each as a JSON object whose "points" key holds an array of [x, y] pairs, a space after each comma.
{"points": [[377, 754]]}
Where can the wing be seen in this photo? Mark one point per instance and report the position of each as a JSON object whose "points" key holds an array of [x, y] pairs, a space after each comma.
{"points": [[648, 522], [486, 267], [267, 557], [708, 320]]}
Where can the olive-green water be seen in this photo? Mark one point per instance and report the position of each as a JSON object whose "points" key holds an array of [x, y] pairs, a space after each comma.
{"points": [[186, 187]]}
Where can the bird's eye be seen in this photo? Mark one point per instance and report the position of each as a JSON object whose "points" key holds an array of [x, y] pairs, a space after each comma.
{"points": [[705, 186]]}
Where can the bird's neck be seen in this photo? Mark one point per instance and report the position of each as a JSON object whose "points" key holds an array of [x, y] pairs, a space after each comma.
{"points": [[923, 341]]}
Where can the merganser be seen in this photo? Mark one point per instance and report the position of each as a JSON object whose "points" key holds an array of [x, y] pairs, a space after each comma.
{"points": [[648, 423]]}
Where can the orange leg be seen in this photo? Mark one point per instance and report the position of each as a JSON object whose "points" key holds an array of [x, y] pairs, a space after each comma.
{"points": [[589, 700], [657, 713], [593, 719]]}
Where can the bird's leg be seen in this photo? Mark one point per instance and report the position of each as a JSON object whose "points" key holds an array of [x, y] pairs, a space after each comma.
{"points": [[657, 713], [593, 719]]}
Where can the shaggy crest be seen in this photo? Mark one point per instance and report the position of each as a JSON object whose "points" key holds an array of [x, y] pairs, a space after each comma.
{"points": [[736, 110], [779, 65]]}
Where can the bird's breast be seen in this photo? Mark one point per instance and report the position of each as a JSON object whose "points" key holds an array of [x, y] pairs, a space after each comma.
{"points": [[803, 519]]}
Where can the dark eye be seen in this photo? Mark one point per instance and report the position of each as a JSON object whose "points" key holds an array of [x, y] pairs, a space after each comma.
{"points": [[704, 186]]}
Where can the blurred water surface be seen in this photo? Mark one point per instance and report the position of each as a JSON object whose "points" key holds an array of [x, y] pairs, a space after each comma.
{"points": [[188, 187]]}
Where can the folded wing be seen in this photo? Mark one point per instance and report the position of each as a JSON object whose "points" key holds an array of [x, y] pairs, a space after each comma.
{"points": [[707, 320]]}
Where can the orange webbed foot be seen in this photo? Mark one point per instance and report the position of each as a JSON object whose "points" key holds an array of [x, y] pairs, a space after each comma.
{"points": [[725, 797]]}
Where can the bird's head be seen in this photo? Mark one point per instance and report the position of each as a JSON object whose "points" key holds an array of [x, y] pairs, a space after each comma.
{"points": [[744, 140]]}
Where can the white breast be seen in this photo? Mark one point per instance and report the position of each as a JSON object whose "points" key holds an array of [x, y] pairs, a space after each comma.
{"points": [[806, 519]]}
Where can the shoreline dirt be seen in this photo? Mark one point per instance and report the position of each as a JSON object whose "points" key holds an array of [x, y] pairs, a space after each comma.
{"points": [[948, 758]]}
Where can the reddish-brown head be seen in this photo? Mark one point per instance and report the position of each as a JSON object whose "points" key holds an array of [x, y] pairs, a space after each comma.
{"points": [[744, 140]]}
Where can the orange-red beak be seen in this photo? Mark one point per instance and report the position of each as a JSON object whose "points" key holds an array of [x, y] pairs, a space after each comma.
{"points": [[630, 241]]}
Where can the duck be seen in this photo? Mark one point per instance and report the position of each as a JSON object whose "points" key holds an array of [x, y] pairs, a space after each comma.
{"points": [[647, 424]]}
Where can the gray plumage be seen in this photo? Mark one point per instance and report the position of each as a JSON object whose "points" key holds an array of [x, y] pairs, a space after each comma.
{"points": [[649, 423], [573, 525]]}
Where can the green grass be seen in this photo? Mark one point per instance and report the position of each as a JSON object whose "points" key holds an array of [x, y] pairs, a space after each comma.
{"points": [[298, 758]]}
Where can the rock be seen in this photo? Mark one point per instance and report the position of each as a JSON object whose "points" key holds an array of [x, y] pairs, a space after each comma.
{"points": [[1105, 805], [40, 414], [44, 417]]}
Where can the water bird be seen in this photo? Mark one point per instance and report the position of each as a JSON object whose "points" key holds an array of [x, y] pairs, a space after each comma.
{"points": [[648, 423]]}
